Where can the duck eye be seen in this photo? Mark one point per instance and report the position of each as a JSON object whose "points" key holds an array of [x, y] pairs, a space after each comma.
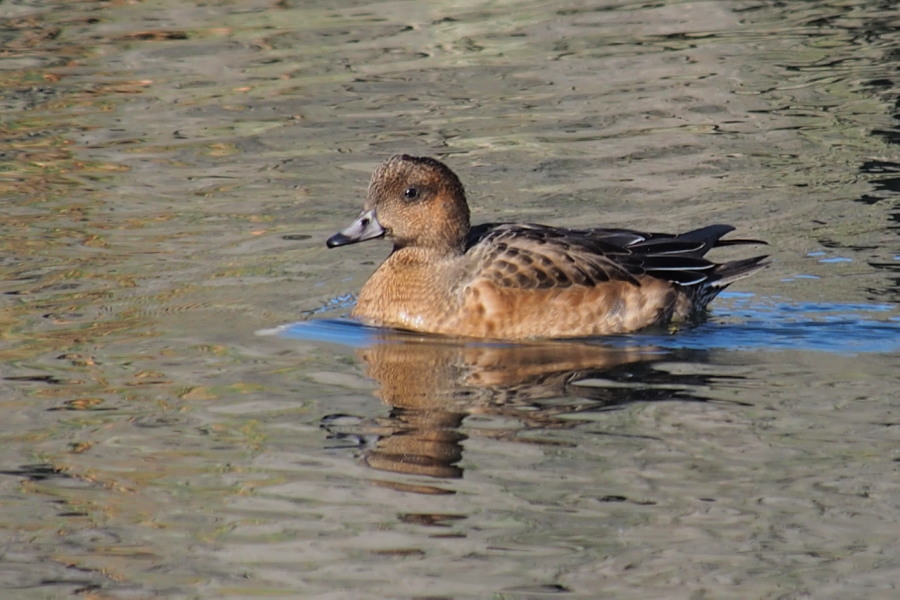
{"points": [[411, 193]]}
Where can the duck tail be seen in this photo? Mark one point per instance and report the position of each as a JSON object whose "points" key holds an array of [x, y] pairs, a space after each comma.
{"points": [[725, 274], [710, 237]]}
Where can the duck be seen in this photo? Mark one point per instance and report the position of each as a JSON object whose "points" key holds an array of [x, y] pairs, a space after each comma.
{"points": [[520, 281]]}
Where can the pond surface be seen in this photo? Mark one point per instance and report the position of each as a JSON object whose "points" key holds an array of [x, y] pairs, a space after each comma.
{"points": [[188, 415]]}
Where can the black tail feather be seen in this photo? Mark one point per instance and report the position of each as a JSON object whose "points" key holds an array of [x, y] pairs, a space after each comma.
{"points": [[724, 275], [729, 272]]}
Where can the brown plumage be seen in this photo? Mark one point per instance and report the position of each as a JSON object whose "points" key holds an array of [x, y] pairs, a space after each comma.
{"points": [[514, 280]]}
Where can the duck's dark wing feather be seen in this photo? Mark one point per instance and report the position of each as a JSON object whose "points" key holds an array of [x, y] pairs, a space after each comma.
{"points": [[538, 256]]}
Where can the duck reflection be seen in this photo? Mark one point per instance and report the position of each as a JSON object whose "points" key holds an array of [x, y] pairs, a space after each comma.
{"points": [[434, 384]]}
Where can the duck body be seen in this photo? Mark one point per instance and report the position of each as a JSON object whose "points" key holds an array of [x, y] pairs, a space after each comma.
{"points": [[510, 281]]}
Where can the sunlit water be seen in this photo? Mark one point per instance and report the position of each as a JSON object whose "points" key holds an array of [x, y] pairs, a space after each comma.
{"points": [[169, 173]]}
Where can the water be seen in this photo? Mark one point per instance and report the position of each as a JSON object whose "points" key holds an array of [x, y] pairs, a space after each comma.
{"points": [[170, 172]]}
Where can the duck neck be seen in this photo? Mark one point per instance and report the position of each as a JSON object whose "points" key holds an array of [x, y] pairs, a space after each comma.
{"points": [[420, 254], [449, 240]]}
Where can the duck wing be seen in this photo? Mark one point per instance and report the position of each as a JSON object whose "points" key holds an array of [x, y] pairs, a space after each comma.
{"points": [[537, 256]]}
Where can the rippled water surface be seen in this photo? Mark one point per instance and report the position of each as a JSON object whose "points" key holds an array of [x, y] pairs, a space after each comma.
{"points": [[188, 415]]}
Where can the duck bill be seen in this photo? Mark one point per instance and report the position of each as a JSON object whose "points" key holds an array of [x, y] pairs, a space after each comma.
{"points": [[365, 227]]}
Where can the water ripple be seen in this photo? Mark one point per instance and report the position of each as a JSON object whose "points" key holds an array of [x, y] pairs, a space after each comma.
{"points": [[744, 323]]}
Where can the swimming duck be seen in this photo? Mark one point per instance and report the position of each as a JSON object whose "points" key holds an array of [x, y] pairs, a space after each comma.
{"points": [[513, 281]]}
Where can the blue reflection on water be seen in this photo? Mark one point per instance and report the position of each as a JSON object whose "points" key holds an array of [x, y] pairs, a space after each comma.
{"points": [[749, 323], [740, 322], [345, 332]]}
